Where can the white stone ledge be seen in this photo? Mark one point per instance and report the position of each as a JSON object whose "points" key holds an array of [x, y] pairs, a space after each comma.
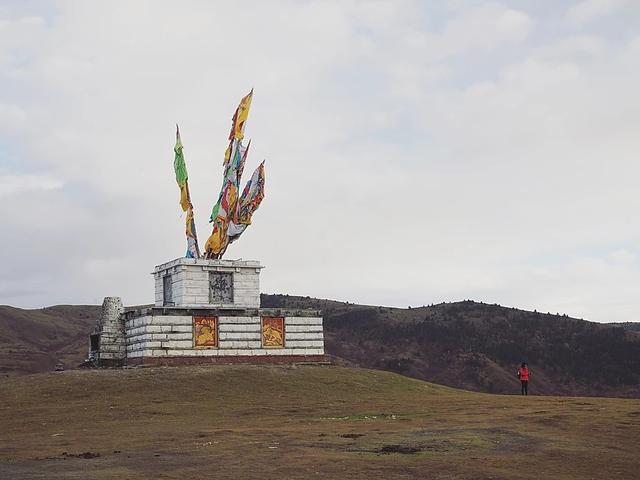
{"points": [[137, 322], [171, 320], [314, 351], [302, 321], [203, 291], [240, 335], [249, 287], [159, 337], [239, 327], [304, 336], [150, 336], [177, 344], [112, 354], [206, 304], [156, 353], [150, 345], [246, 292], [132, 332], [279, 351], [303, 328], [181, 352], [178, 328], [235, 344], [304, 343], [206, 352], [212, 352], [229, 320]]}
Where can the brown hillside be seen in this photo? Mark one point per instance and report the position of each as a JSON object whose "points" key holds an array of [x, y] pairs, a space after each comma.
{"points": [[36, 340], [479, 347], [467, 344], [259, 422]]}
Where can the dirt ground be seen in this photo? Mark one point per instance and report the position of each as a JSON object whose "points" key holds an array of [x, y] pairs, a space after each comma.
{"points": [[237, 422]]}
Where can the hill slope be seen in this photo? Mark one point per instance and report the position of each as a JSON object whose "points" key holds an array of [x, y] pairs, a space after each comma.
{"points": [[631, 326], [36, 340], [305, 422], [479, 347], [466, 344]]}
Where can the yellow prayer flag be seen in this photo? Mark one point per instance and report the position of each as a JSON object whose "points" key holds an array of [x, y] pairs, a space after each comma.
{"points": [[218, 239], [185, 200], [240, 117]]}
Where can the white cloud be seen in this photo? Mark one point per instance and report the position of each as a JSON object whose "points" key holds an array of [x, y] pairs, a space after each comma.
{"points": [[20, 184], [589, 10], [485, 27], [414, 154], [12, 118], [572, 47]]}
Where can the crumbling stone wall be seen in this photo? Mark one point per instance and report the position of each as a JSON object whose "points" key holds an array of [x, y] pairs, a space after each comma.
{"points": [[108, 340]]}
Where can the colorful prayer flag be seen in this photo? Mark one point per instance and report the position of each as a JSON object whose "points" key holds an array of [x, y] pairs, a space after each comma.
{"points": [[182, 178], [230, 216], [240, 117], [193, 251], [181, 173], [252, 195]]}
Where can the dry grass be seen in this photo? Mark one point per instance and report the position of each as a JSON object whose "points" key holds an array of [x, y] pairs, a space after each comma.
{"points": [[301, 422]]}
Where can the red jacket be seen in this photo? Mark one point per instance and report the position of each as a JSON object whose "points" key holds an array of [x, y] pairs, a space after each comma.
{"points": [[523, 373]]}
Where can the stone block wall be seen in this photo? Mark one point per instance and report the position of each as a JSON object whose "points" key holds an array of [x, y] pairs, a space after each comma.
{"points": [[188, 282], [109, 334], [166, 333]]}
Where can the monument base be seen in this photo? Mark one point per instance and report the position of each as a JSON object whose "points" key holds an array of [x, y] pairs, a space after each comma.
{"points": [[181, 335], [227, 359], [206, 311]]}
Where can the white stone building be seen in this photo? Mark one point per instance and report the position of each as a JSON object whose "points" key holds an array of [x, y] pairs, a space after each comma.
{"points": [[206, 311]]}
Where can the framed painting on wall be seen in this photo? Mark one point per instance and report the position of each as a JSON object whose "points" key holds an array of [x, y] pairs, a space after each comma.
{"points": [[273, 332], [205, 332]]}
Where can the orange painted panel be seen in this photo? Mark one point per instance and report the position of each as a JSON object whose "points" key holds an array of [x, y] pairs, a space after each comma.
{"points": [[205, 332], [273, 332]]}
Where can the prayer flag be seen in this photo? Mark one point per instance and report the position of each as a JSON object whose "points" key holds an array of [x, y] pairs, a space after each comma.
{"points": [[232, 214], [182, 178], [240, 117], [181, 173]]}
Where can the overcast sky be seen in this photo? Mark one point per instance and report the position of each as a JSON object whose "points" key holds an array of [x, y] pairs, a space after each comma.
{"points": [[416, 152]]}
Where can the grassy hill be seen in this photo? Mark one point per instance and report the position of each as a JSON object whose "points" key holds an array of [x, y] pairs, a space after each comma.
{"points": [[231, 422], [466, 344], [479, 346], [36, 340]]}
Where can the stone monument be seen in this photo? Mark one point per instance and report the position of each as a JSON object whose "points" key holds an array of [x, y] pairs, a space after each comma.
{"points": [[108, 339], [207, 309]]}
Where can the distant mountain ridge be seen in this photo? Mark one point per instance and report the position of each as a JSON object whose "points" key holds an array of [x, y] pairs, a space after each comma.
{"points": [[631, 326], [464, 344], [479, 346], [36, 340]]}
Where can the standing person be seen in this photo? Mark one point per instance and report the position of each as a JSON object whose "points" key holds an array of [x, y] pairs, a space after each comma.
{"points": [[523, 375]]}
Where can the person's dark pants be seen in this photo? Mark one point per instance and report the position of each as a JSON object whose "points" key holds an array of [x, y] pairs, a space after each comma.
{"points": [[525, 384]]}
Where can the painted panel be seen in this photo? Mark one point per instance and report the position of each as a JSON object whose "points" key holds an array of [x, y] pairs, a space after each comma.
{"points": [[273, 332], [205, 332]]}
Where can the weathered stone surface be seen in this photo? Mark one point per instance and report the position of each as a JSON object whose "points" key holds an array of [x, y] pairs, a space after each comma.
{"points": [[228, 290], [108, 340], [199, 282], [164, 333], [302, 321]]}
